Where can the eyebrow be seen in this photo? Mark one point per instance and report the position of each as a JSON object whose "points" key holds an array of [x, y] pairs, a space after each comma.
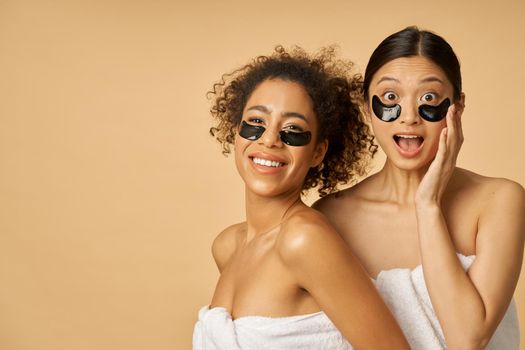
{"points": [[426, 80], [265, 109], [259, 108], [387, 79], [294, 115], [431, 79]]}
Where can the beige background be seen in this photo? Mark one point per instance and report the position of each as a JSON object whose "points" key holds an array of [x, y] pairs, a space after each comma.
{"points": [[111, 190]]}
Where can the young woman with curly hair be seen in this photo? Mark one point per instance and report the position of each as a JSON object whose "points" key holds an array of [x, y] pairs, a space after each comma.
{"points": [[458, 236], [288, 280]]}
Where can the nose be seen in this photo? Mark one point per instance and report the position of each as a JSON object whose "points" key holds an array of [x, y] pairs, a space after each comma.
{"points": [[409, 114], [271, 138]]}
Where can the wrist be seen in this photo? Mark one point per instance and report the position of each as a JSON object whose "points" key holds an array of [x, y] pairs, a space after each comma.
{"points": [[427, 207]]}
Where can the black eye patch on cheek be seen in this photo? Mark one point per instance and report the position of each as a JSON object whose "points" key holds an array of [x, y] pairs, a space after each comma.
{"points": [[251, 132], [291, 138], [384, 112], [390, 113], [434, 113]]}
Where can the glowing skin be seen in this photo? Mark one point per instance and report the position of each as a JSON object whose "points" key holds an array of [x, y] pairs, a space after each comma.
{"points": [[267, 165], [430, 210], [409, 141], [285, 259]]}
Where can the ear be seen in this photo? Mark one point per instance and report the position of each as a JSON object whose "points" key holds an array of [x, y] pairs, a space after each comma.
{"points": [[319, 152]]}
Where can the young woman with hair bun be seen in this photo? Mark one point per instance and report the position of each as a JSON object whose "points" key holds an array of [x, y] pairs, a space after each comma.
{"points": [[444, 245]]}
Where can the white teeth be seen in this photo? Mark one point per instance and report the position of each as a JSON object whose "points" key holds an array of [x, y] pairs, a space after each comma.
{"points": [[267, 162], [408, 136]]}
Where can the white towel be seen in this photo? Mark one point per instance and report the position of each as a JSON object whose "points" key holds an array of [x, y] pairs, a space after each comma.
{"points": [[215, 330], [405, 292]]}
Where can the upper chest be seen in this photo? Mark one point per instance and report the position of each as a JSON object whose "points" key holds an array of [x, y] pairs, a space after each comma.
{"points": [[385, 236], [254, 272]]}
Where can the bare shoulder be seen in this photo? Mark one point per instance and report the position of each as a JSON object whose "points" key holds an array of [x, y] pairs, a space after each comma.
{"points": [[491, 190], [333, 201], [503, 198], [501, 204], [327, 203], [305, 234], [225, 244]]}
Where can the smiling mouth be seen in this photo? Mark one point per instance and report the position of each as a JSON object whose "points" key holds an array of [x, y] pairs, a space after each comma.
{"points": [[409, 143], [266, 162]]}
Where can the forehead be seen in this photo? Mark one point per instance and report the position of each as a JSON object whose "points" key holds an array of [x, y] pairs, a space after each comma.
{"points": [[410, 70], [281, 96]]}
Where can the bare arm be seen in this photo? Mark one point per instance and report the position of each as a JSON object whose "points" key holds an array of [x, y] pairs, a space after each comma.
{"points": [[324, 266], [470, 305]]}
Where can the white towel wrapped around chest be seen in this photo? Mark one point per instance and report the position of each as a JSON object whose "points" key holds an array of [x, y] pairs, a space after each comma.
{"points": [[215, 330], [405, 292]]}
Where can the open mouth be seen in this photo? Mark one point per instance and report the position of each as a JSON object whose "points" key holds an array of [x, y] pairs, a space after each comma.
{"points": [[266, 162], [409, 143]]}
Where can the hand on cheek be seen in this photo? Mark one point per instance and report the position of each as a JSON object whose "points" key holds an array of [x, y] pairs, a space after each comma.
{"points": [[434, 183]]}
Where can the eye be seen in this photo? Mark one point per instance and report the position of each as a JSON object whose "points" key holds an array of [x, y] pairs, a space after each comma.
{"points": [[429, 97], [293, 127], [389, 96], [255, 120]]}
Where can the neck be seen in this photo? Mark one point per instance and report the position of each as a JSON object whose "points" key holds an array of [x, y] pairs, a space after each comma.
{"points": [[399, 185], [263, 214]]}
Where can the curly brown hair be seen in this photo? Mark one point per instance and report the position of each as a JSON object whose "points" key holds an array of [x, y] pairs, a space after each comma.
{"points": [[336, 92]]}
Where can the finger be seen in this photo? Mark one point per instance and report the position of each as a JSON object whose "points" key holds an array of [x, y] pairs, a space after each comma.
{"points": [[451, 126], [455, 134], [442, 147], [459, 139], [459, 126], [448, 117]]}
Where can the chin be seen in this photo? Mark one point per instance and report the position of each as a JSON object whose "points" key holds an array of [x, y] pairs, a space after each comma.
{"points": [[412, 164], [269, 189], [265, 192]]}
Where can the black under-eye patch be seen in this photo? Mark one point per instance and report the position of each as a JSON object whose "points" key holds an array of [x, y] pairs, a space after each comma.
{"points": [[389, 113], [434, 113], [291, 138], [251, 132]]}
